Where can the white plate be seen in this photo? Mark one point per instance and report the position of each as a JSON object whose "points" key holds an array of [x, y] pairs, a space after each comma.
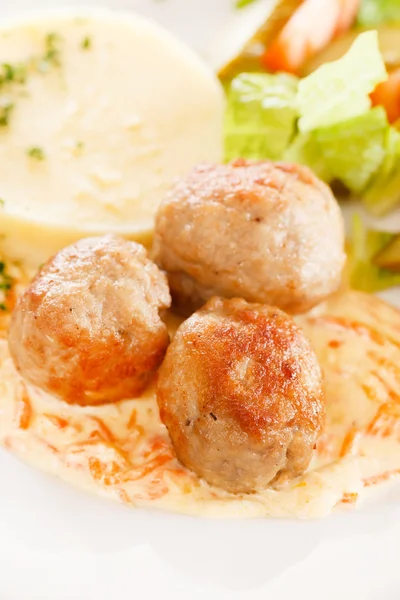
{"points": [[59, 544]]}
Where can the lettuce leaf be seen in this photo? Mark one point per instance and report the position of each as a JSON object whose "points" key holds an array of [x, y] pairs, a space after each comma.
{"points": [[305, 150], [261, 116], [383, 193], [339, 90], [375, 12], [366, 244], [354, 150]]}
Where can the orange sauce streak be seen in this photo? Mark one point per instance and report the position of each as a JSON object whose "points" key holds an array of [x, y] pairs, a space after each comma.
{"points": [[359, 328], [381, 478], [23, 413]]}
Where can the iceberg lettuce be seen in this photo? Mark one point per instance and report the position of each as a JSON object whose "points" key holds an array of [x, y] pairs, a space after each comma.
{"points": [[260, 117], [339, 90]]}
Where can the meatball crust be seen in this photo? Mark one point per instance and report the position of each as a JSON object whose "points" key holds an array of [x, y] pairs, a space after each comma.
{"points": [[240, 393], [88, 328], [266, 232]]}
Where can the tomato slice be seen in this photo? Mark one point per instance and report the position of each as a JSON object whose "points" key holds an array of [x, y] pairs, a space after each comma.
{"points": [[312, 27], [387, 94]]}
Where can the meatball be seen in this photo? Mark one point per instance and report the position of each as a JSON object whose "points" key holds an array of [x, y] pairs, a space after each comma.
{"points": [[240, 393], [88, 328], [266, 232]]}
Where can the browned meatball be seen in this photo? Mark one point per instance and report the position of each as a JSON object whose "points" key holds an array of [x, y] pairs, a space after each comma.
{"points": [[240, 393], [88, 328], [266, 232]]}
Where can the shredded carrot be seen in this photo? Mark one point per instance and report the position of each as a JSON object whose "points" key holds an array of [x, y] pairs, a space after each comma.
{"points": [[23, 414], [123, 496], [105, 473], [103, 430], [141, 471], [386, 422], [349, 498], [381, 478], [133, 425], [57, 421], [47, 445], [350, 442]]}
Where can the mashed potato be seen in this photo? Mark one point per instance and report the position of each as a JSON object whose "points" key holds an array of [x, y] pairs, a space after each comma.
{"points": [[99, 113]]}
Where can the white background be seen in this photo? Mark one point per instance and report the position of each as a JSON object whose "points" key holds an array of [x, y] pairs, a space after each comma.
{"points": [[59, 544]]}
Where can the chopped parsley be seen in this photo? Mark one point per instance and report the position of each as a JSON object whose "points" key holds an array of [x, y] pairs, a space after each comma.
{"points": [[80, 145], [5, 113], [86, 43], [16, 74], [51, 57], [6, 283], [36, 153], [12, 73], [2, 202], [243, 3]]}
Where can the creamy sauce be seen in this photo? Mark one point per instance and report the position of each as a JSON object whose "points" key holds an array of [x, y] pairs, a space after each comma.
{"points": [[123, 450], [110, 110]]}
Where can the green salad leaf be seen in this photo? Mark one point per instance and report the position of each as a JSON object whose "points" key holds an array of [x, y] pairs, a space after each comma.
{"points": [[305, 150], [375, 12], [354, 150], [339, 90], [366, 244], [260, 117], [383, 192], [324, 121]]}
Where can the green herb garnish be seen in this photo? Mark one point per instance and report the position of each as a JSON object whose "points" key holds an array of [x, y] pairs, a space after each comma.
{"points": [[5, 113], [51, 57], [15, 74], [243, 3], [36, 153], [2, 202], [86, 43], [12, 73], [6, 283]]}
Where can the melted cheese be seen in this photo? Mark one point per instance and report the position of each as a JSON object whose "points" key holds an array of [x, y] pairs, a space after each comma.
{"points": [[117, 108], [123, 450]]}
